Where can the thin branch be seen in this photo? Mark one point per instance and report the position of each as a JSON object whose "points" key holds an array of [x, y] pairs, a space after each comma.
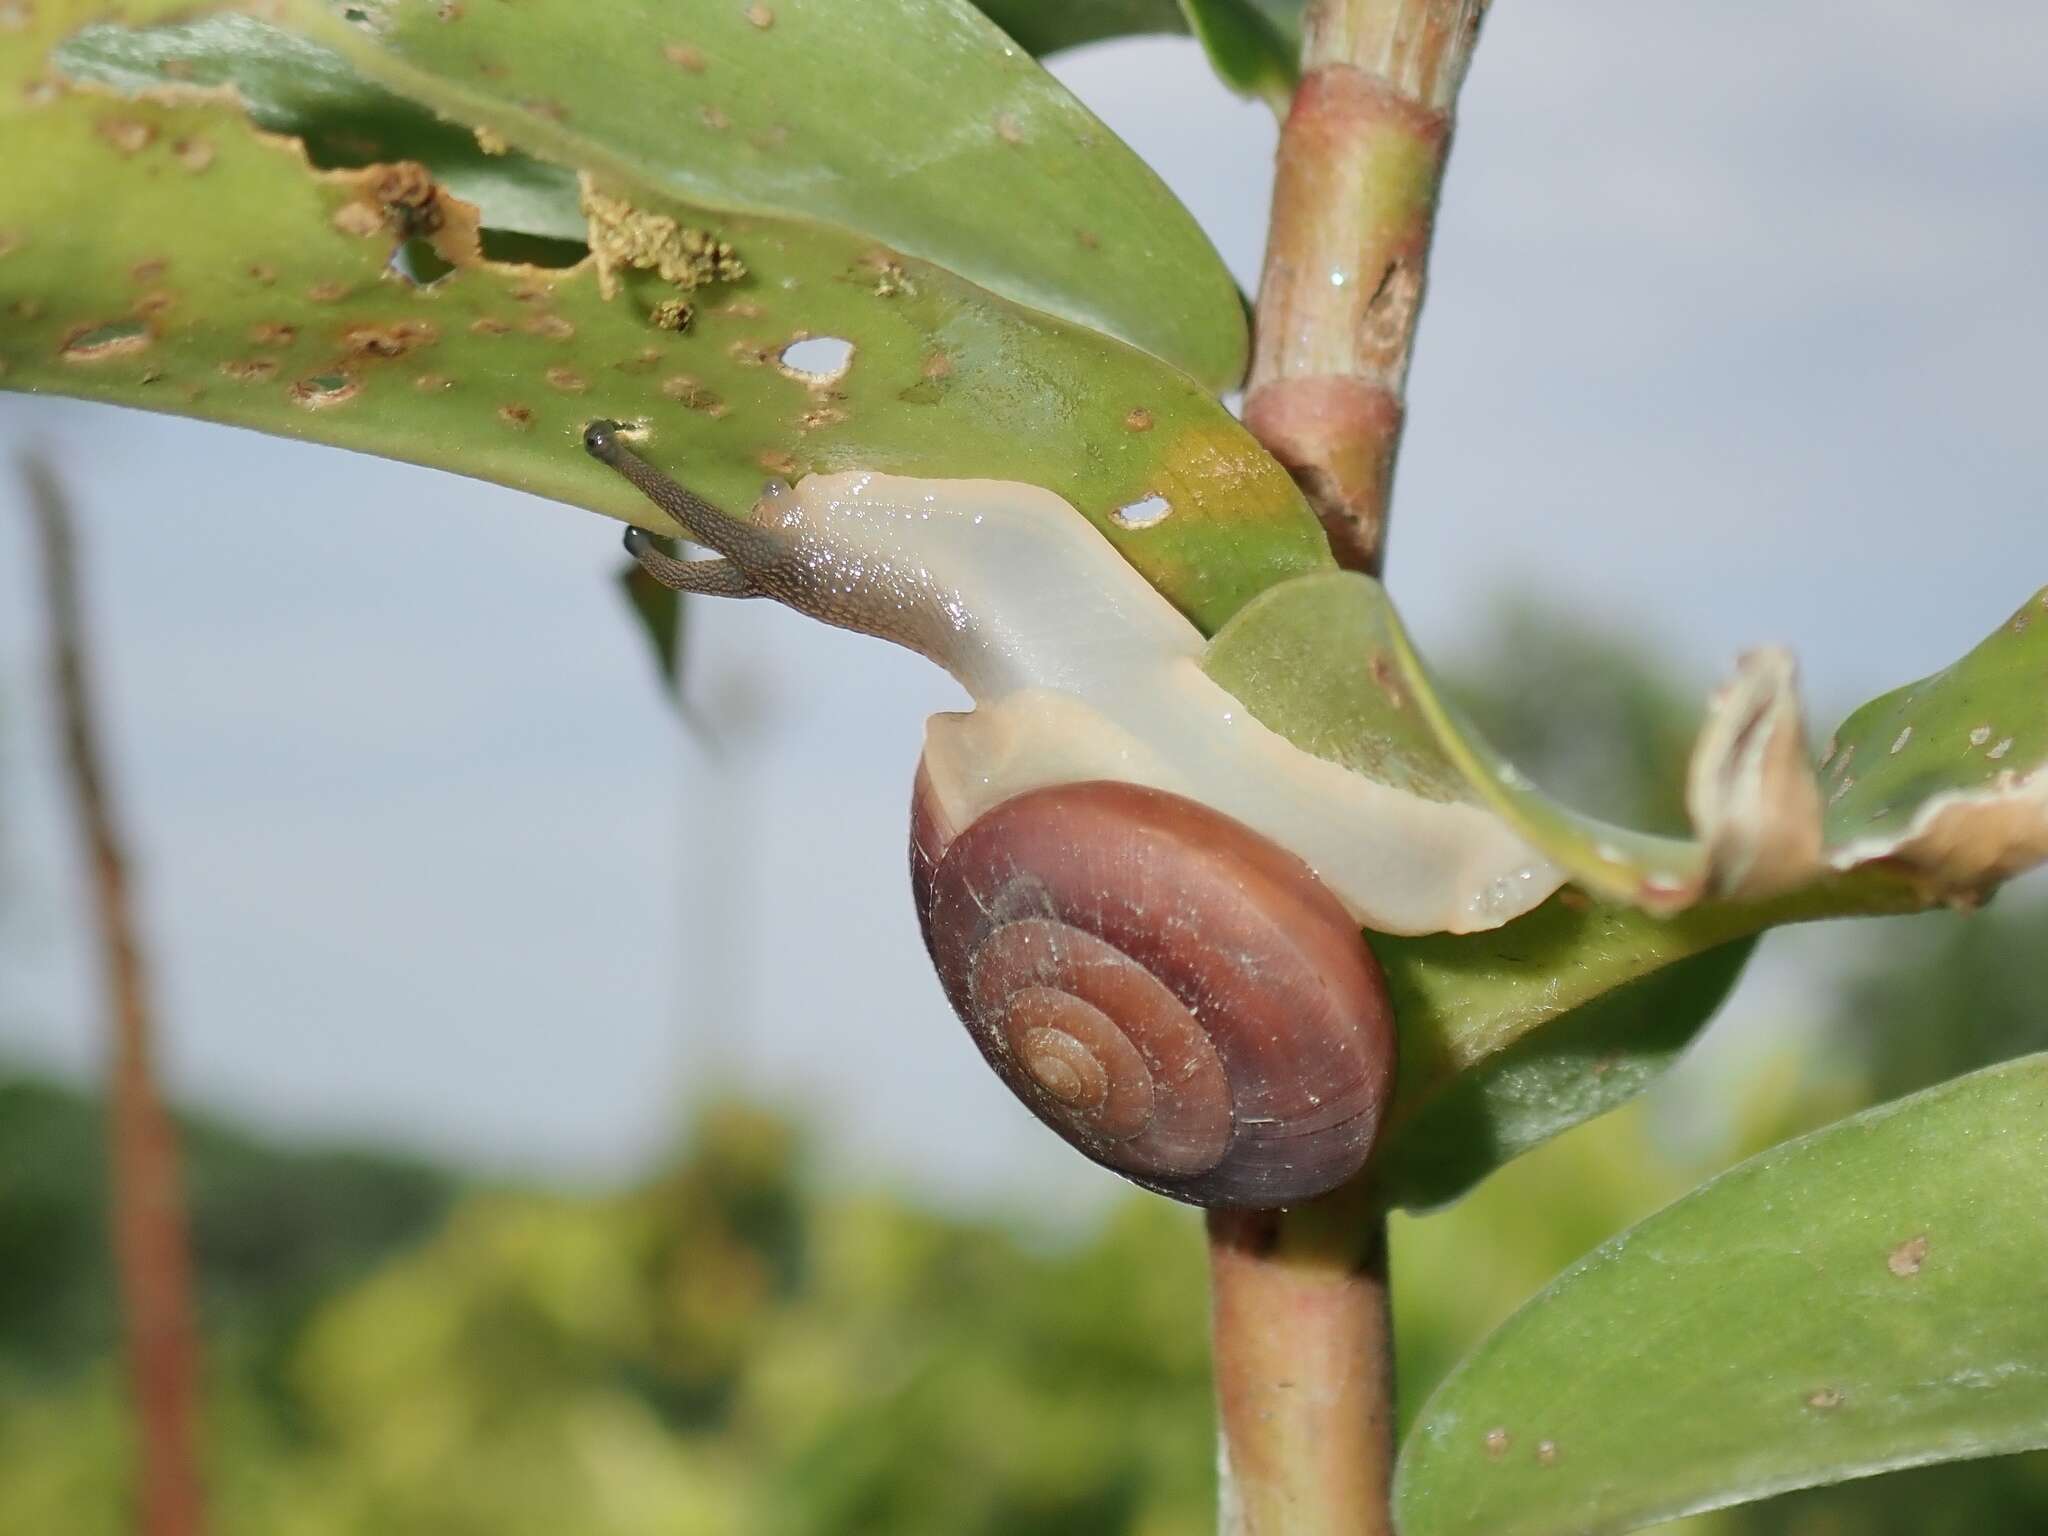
{"points": [[151, 1250], [1361, 161]]}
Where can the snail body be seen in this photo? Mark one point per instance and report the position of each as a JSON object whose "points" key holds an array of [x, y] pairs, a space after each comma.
{"points": [[1176, 996], [1080, 670]]}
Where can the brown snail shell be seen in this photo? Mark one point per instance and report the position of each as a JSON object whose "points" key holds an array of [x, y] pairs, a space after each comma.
{"points": [[1176, 996]]}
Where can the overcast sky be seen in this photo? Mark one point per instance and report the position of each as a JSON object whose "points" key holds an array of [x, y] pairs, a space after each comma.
{"points": [[1734, 335]]}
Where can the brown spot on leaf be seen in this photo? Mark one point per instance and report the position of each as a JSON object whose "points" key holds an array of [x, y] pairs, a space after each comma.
{"points": [[129, 135], [683, 388], [568, 380], [819, 417], [890, 279], [26, 309], [149, 271], [1089, 240], [1139, 420], [273, 333], [358, 220], [1497, 1443], [449, 10], [938, 365], [261, 274], [686, 58], [403, 200], [10, 242], [319, 391], [393, 340], [155, 302], [15, 15], [516, 416], [713, 118], [1546, 1453], [548, 327], [761, 16], [488, 325], [549, 108], [490, 141], [1388, 680], [95, 343], [748, 354], [1008, 129], [432, 383], [776, 463], [194, 154], [1906, 1259], [1824, 1400], [249, 369], [739, 309], [329, 293]]}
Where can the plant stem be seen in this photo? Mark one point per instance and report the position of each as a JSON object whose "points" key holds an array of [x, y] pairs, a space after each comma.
{"points": [[1302, 1327], [151, 1253], [1361, 161], [1304, 1376]]}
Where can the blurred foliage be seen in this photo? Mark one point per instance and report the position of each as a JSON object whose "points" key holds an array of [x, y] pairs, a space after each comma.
{"points": [[740, 1344]]}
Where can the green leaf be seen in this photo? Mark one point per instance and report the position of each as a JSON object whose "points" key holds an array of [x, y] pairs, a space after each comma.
{"points": [[913, 122], [1253, 45], [1868, 1297], [164, 252], [1047, 26], [1512, 1037]]}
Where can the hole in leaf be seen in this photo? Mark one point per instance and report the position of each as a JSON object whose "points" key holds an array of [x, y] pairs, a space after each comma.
{"points": [[92, 342], [518, 249], [1142, 513], [817, 359], [419, 263]]}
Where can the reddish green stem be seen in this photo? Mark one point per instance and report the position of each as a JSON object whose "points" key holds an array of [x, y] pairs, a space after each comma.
{"points": [[152, 1257], [1361, 161], [1302, 1329], [1304, 1376]]}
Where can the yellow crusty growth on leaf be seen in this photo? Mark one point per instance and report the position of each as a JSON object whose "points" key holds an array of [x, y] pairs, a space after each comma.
{"points": [[622, 236]]}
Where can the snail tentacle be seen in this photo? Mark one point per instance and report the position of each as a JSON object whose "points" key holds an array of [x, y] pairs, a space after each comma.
{"points": [[753, 547], [710, 578]]}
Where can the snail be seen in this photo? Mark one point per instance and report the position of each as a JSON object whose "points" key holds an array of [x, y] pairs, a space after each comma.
{"points": [[1143, 902], [1176, 996]]}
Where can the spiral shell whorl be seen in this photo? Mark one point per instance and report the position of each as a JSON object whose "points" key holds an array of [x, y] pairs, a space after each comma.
{"points": [[1178, 998]]}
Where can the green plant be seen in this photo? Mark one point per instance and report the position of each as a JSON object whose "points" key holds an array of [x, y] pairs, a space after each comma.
{"points": [[463, 234]]}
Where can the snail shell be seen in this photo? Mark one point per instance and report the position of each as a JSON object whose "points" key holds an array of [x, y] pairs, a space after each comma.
{"points": [[1176, 996]]}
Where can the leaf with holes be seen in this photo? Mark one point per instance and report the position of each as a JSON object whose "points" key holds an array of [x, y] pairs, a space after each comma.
{"points": [[1867, 1297], [913, 122], [163, 251]]}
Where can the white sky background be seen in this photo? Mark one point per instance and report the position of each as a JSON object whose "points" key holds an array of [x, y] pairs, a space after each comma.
{"points": [[1735, 334]]}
